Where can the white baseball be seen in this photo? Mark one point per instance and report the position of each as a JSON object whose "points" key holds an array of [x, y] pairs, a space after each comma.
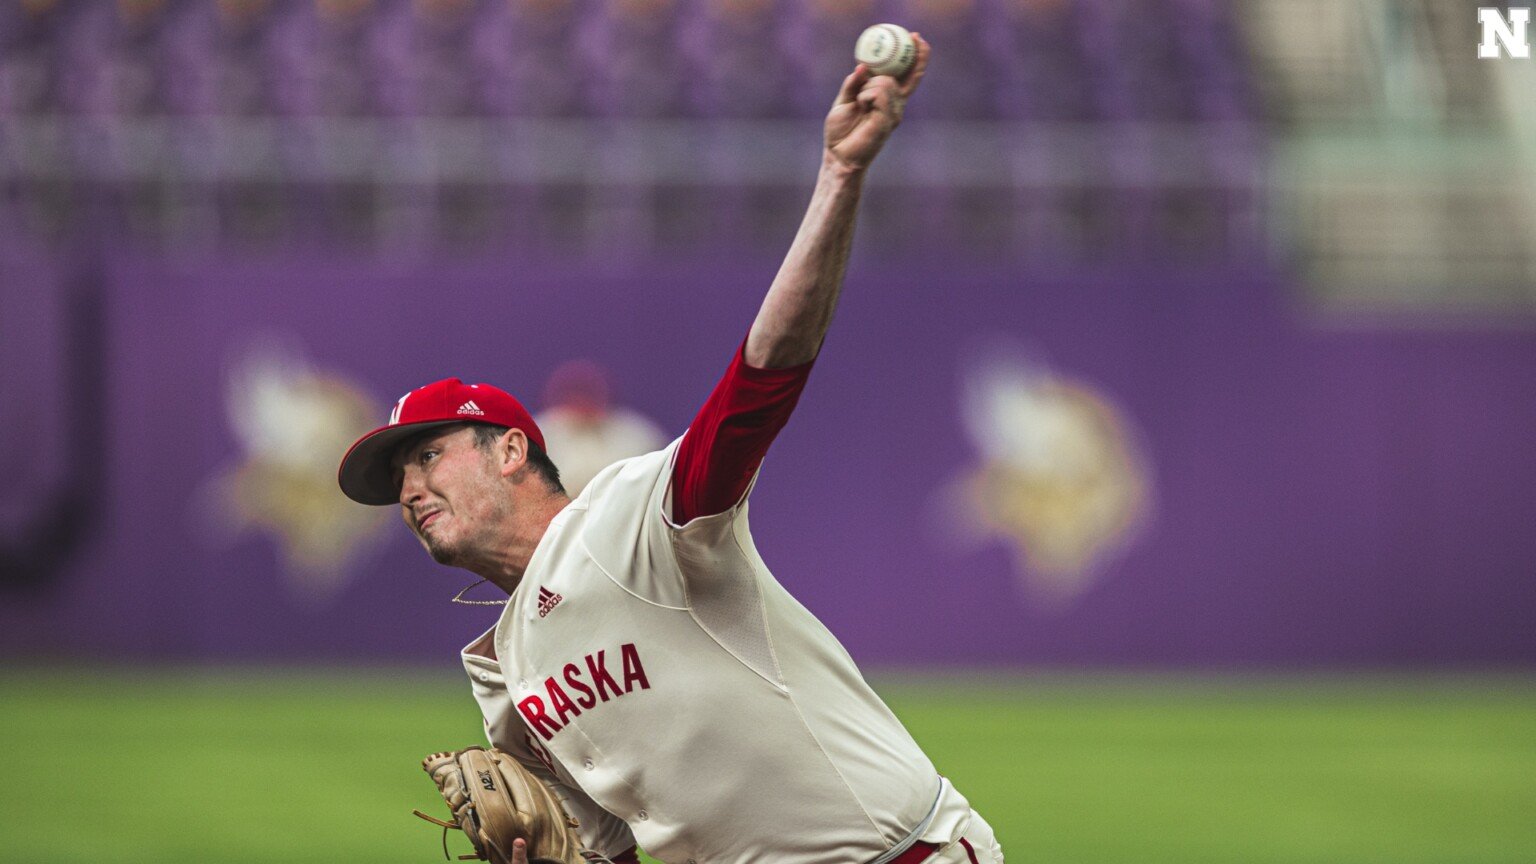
{"points": [[887, 49]]}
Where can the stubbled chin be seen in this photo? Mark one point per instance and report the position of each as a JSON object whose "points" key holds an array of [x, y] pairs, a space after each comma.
{"points": [[433, 548], [440, 552]]}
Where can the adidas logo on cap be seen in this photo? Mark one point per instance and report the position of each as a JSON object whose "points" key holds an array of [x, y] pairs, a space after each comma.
{"points": [[365, 474]]}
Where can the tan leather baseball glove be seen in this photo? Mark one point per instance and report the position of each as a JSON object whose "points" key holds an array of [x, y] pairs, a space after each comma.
{"points": [[494, 801]]}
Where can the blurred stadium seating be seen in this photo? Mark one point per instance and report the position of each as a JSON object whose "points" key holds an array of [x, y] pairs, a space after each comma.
{"points": [[1357, 141], [1053, 130]]}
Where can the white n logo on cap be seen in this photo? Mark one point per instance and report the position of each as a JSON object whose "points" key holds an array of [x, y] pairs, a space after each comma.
{"points": [[394, 416], [470, 408]]}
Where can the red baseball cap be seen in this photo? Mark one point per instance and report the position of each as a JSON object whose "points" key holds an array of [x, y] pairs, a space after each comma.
{"points": [[365, 474]]}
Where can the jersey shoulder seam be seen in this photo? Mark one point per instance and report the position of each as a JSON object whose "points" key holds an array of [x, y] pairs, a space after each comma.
{"points": [[783, 683], [586, 550]]}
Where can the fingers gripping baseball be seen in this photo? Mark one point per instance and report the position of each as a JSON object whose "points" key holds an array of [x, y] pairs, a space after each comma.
{"points": [[878, 95], [868, 108]]}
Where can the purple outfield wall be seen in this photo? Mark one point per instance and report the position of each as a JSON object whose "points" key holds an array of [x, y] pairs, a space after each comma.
{"points": [[1320, 494]]}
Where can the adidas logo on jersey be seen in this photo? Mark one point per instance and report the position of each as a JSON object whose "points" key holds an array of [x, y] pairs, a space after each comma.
{"points": [[471, 408], [547, 600]]}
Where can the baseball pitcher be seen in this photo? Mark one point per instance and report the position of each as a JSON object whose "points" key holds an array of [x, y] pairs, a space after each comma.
{"points": [[648, 667]]}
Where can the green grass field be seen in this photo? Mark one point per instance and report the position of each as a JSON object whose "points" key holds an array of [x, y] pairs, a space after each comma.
{"points": [[279, 766]]}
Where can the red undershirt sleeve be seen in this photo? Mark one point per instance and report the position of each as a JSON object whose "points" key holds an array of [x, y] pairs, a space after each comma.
{"points": [[730, 436]]}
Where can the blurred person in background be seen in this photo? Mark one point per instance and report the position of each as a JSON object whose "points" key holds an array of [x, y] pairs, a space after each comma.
{"points": [[585, 431]]}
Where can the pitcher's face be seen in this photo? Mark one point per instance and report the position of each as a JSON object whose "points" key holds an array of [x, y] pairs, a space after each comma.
{"points": [[451, 494]]}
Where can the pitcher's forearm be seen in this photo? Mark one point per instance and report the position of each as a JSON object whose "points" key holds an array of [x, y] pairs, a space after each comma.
{"points": [[797, 311]]}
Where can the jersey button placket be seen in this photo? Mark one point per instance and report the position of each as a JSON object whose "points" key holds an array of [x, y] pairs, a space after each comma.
{"points": [[588, 764], [642, 815]]}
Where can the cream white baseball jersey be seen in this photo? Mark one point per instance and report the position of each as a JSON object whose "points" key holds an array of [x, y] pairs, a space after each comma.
{"points": [[669, 688]]}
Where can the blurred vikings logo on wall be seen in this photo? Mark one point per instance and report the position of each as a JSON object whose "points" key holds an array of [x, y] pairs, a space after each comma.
{"points": [[1060, 479], [293, 422]]}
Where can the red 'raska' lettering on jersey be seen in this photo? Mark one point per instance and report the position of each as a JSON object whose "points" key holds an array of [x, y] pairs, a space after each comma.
{"points": [[634, 673], [537, 711], [573, 680], [606, 686]]}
